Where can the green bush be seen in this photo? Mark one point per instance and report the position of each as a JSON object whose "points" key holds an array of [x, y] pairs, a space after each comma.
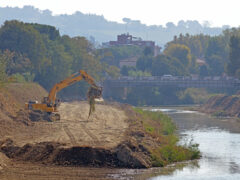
{"points": [[18, 78], [161, 125], [171, 153]]}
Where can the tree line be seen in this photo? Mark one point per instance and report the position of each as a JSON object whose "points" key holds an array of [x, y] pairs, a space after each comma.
{"points": [[35, 52], [218, 56]]}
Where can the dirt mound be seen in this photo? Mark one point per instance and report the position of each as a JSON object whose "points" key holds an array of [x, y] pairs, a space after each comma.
{"points": [[4, 161], [124, 155], [23, 92], [222, 105], [14, 95]]}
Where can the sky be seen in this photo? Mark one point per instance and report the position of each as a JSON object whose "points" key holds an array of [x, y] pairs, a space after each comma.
{"points": [[150, 12]]}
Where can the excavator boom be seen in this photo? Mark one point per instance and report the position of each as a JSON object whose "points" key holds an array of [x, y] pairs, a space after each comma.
{"points": [[68, 82]]}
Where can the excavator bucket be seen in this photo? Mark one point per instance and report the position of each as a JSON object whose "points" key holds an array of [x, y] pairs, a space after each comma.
{"points": [[93, 94]]}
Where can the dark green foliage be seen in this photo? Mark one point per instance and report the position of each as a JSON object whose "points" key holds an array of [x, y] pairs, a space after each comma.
{"points": [[15, 66], [50, 31], [203, 71], [181, 52], [216, 56], [152, 96], [124, 71], [39, 52], [113, 55], [193, 96], [234, 56], [148, 51], [144, 63], [214, 50], [163, 64], [160, 65], [3, 65], [23, 38], [197, 43], [17, 63], [216, 47], [216, 65]]}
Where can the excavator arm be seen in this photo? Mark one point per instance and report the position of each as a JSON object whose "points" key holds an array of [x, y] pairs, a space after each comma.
{"points": [[69, 81]]}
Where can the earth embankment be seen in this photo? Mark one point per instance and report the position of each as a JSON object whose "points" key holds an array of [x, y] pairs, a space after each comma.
{"points": [[222, 105]]}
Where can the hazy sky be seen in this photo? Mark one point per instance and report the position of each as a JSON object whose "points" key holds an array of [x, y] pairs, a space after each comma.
{"points": [[217, 12]]}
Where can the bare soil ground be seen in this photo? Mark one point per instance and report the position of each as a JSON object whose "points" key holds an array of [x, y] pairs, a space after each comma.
{"points": [[105, 128], [19, 170]]}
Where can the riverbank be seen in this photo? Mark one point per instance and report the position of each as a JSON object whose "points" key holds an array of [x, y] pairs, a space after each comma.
{"points": [[222, 106], [161, 127]]}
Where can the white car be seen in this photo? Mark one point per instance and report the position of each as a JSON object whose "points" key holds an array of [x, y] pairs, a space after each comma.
{"points": [[167, 77]]}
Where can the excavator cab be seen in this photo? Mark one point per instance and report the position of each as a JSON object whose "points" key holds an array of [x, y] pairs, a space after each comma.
{"points": [[29, 105], [46, 101]]}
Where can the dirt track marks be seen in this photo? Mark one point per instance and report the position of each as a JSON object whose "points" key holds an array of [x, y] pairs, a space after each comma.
{"points": [[70, 135], [105, 128], [94, 138]]}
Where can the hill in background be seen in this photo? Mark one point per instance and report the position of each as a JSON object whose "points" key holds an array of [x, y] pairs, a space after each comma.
{"points": [[98, 29]]}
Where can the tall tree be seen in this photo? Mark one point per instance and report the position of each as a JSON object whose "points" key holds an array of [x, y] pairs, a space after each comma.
{"points": [[3, 64], [163, 64], [234, 56], [181, 52], [24, 39]]}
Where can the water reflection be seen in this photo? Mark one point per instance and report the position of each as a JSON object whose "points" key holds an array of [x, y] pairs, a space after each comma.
{"points": [[174, 111]]}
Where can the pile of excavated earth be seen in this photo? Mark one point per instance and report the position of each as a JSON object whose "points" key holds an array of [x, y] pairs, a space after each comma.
{"points": [[113, 136]]}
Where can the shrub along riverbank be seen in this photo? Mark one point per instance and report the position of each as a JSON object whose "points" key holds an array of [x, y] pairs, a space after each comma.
{"points": [[161, 127]]}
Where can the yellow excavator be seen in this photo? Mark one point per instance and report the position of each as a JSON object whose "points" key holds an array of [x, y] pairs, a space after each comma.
{"points": [[50, 104]]}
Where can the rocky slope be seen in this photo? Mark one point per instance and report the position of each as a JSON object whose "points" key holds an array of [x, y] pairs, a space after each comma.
{"points": [[222, 105]]}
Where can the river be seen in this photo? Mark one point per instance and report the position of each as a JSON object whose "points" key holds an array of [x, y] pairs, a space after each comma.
{"points": [[219, 143]]}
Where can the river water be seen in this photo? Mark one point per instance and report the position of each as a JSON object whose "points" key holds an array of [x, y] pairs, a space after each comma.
{"points": [[219, 143]]}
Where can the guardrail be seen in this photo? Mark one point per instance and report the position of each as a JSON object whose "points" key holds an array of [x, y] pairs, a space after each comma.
{"points": [[206, 82]]}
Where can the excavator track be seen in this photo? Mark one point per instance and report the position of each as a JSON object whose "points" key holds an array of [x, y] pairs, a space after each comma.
{"points": [[70, 135]]}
